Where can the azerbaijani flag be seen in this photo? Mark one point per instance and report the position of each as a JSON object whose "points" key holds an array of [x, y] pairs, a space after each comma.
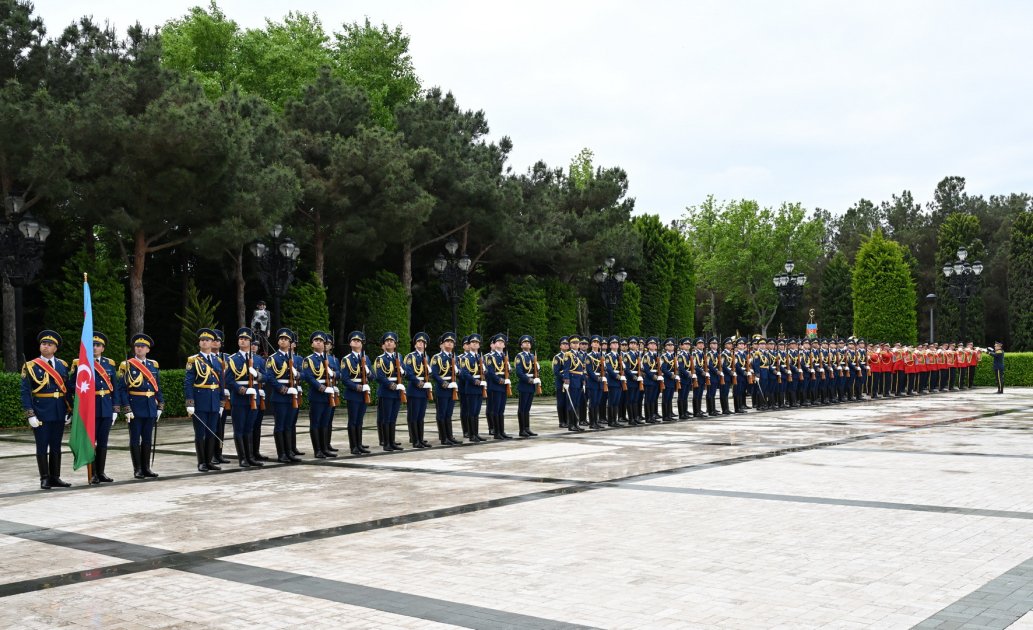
{"points": [[83, 415]]}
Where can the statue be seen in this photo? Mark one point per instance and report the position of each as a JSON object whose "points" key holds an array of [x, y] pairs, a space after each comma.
{"points": [[260, 320]]}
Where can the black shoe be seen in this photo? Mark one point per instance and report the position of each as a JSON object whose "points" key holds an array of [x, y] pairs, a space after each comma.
{"points": [[55, 472], [294, 445], [325, 436], [280, 439]]}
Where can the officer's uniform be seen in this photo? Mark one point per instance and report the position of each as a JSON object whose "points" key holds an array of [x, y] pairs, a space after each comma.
{"points": [[320, 378], [203, 391], [389, 393], [138, 389], [713, 369], [224, 415], [472, 388], [525, 366], [684, 353], [495, 374], [998, 354], [572, 379], [616, 382], [727, 375], [284, 379], [45, 402], [743, 372], [443, 370], [104, 375], [634, 394], [244, 374], [335, 376], [594, 379], [557, 379], [415, 367], [355, 376], [672, 380]]}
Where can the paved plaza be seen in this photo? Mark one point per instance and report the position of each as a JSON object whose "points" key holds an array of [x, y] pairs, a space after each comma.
{"points": [[910, 512]]}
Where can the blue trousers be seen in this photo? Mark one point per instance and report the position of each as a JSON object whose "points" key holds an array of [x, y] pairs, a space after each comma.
{"points": [[282, 413], [595, 396], [614, 399], [496, 402], [140, 431], [387, 411], [444, 405], [102, 424], [244, 418], [48, 436], [356, 413], [416, 410], [524, 400], [318, 415], [204, 419]]}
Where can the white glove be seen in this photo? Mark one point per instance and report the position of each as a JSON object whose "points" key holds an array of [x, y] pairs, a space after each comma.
{"points": [[34, 422], [566, 386], [538, 366], [484, 384], [253, 372], [330, 371], [292, 391], [695, 378], [158, 416], [426, 386], [68, 420], [453, 385], [660, 379], [114, 417], [365, 388], [623, 378], [190, 412], [506, 382], [635, 376], [226, 393], [294, 371], [129, 415], [330, 390], [677, 378], [261, 393], [536, 381], [250, 391]]}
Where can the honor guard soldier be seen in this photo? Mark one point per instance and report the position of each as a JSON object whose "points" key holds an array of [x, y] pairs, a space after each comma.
{"points": [[669, 369], [443, 369], [875, 372], [387, 373], [973, 362], [355, 377], [285, 380], [941, 360], [105, 410], [714, 375], [594, 379], [335, 372], [622, 413], [44, 400], [803, 390], [727, 359], [632, 365], [571, 382], [582, 352], [472, 386], [256, 431], [316, 371], [743, 376], [496, 366], [138, 389], [220, 430], [526, 367], [557, 378], [998, 354], [701, 377], [464, 415], [299, 362], [203, 387], [862, 364], [244, 379], [653, 379], [416, 368], [616, 381], [685, 374]]}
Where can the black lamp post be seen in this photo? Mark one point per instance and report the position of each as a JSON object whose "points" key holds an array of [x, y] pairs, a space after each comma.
{"points": [[611, 286], [276, 263], [963, 282], [931, 301], [454, 274], [21, 257], [790, 286]]}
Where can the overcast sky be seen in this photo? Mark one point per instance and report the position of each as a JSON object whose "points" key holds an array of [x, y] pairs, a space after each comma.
{"points": [[811, 101]]}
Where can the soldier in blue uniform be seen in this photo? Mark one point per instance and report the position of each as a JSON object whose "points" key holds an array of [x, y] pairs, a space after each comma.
{"points": [[685, 393], [668, 358], [139, 391], [284, 379], [727, 369], [203, 391], [525, 365], [699, 376], [263, 395], [572, 379], [713, 368], [243, 379], [616, 381], [415, 368], [464, 414], [582, 352], [389, 388], [652, 377], [105, 413], [356, 373], [472, 385], [495, 374], [806, 374], [316, 371], [444, 371], [45, 402], [635, 386], [220, 430], [998, 354], [594, 379], [335, 375], [557, 378], [743, 372]]}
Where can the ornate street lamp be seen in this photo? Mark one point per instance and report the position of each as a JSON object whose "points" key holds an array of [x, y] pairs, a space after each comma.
{"points": [[22, 238], [454, 274], [611, 286], [277, 259], [963, 280], [931, 301], [789, 286]]}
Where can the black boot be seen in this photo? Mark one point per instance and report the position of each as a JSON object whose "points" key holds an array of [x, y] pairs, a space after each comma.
{"points": [[256, 443], [44, 472], [472, 423], [414, 437], [134, 453], [99, 464], [358, 440], [242, 459], [290, 438], [281, 450], [353, 441], [421, 429], [55, 471], [217, 457], [317, 446], [145, 461], [391, 437], [724, 406], [465, 421], [561, 413], [210, 444], [202, 455], [294, 443], [327, 447], [500, 424], [325, 442], [572, 423], [451, 436]]}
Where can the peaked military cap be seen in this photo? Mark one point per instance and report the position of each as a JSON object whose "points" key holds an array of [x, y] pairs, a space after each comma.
{"points": [[245, 332], [202, 334], [669, 341], [653, 340], [140, 339], [528, 338], [449, 336], [283, 333], [218, 334], [420, 336], [389, 335], [317, 335], [99, 337], [474, 337], [730, 340], [684, 340], [712, 340], [329, 338], [613, 339], [356, 335], [500, 337], [564, 340]]}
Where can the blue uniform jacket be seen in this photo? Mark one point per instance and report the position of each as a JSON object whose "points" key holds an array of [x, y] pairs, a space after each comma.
{"points": [[41, 395], [414, 366], [279, 374], [351, 375], [314, 372], [523, 366], [385, 374], [203, 383], [135, 392], [494, 371]]}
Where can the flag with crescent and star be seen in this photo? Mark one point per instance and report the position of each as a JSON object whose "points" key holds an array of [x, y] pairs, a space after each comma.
{"points": [[83, 435]]}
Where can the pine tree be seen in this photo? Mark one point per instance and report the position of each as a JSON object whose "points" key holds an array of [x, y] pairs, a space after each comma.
{"points": [[382, 305], [1020, 288], [837, 301], [305, 311], [200, 313], [680, 318], [64, 304], [628, 317], [656, 275]]}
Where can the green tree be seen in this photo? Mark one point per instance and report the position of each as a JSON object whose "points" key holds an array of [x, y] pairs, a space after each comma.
{"points": [[682, 313], [628, 317], [856, 224], [837, 302], [958, 229], [206, 45], [562, 314], [656, 274], [376, 59], [525, 310], [382, 305], [277, 62], [305, 311], [883, 292], [1020, 270], [199, 313], [64, 303]]}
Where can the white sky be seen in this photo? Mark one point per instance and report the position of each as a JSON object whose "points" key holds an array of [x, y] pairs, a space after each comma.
{"points": [[812, 101]]}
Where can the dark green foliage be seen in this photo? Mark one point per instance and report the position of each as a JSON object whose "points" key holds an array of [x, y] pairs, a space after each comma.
{"points": [[524, 311], [381, 305], [11, 413], [657, 273], [883, 292], [1018, 370], [562, 312], [837, 301], [628, 317], [959, 229], [1020, 282], [64, 304], [305, 311], [200, 313], [682, 313]]}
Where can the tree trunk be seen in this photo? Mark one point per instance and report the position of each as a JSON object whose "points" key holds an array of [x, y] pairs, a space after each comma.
{"points": [[407, 278], [318, 242], [10, 341], [713, 310], [136, 296], [343, 321], [238, 277]]}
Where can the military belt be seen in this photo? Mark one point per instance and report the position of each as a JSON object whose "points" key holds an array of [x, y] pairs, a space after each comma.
{"points": [[206, 386], [147, 394], [48, 395], [578, 373]]}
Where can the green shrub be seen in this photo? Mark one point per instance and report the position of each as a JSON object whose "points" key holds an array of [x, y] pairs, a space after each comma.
{"points": [[657, 273], [382, 305], [1018, 370], [11, 414], [837, 302], [562, 312], [628, 316], [883, 292], [1020, 290], [681, 318], [525, 311], [305, 311]]}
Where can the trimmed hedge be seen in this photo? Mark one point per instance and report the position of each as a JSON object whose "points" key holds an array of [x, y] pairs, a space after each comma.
{"points": [[883, 292], [1018, 370], [382, 305]]}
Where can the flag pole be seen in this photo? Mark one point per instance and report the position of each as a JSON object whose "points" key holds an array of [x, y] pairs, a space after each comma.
{"points": [[89, 467]]}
